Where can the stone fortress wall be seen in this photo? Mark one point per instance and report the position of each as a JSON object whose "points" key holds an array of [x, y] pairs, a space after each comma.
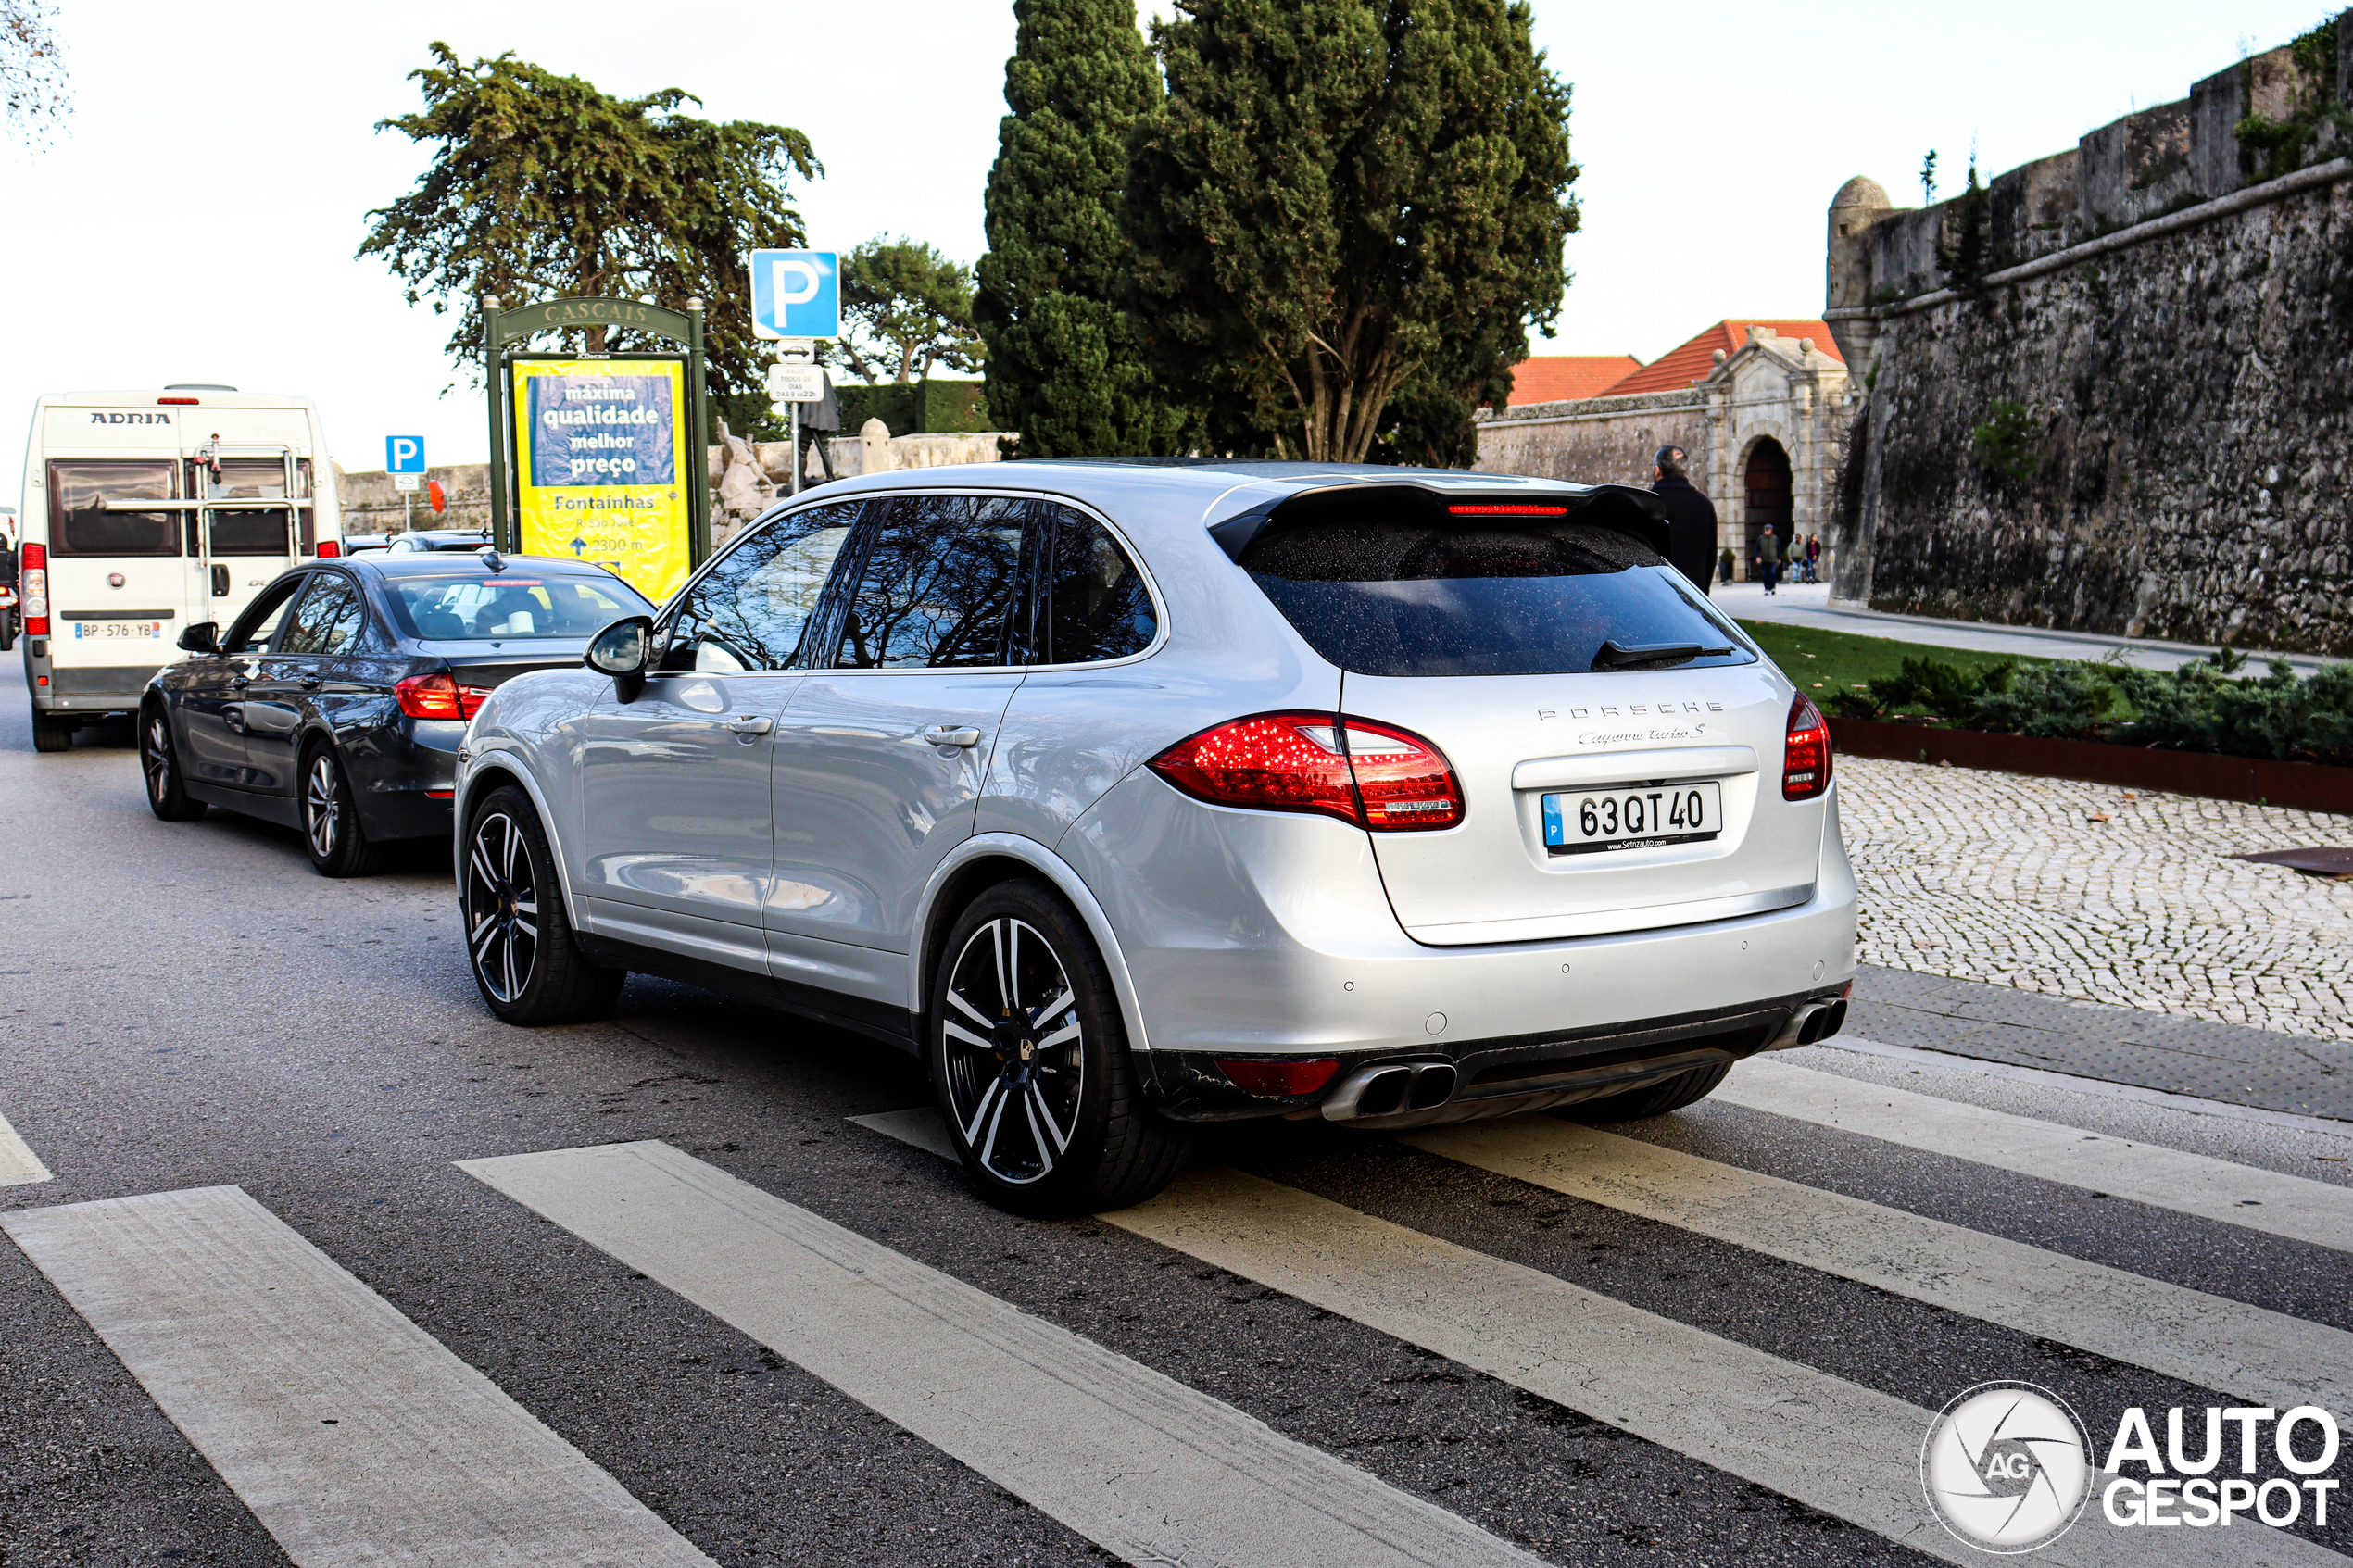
{"points": [[2137, 418]]}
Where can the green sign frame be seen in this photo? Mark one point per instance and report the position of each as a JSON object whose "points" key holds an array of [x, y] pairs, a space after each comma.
{"points": [[518, 324]]}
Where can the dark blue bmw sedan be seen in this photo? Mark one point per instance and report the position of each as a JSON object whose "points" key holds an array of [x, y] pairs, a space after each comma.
{"points": [[337, 702]]}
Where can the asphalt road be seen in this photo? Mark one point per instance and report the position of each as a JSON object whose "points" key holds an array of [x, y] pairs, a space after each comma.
{"points": [[187, 1007]]}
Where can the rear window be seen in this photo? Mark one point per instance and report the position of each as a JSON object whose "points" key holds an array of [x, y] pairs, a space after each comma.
{"points": [[516, 605], [81, 523], [1412, 597]]}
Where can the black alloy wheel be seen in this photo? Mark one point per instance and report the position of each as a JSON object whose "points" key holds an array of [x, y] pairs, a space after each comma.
{"points": [[331, 830], [1031, 1062], [518, 940], [160, 761]]}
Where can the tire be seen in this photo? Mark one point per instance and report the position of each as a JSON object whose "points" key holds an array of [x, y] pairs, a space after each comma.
{"points": [[518, 942], [1055, 1048], [1655, 1100], [160, 761], [332, 833], [52, 733]]}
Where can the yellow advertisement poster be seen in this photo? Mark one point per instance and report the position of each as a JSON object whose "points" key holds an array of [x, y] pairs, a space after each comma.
{"points": [[602, 463]]}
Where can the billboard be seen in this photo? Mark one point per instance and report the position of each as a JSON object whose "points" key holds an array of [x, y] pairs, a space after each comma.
{"points": [[603, 464]]}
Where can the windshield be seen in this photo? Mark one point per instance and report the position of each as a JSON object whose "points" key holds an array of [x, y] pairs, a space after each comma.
{"points": [[1426, 598], [474, 605]]}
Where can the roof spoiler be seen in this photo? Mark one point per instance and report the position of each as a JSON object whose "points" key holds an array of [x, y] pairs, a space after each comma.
{"points": [[1636, 513]]}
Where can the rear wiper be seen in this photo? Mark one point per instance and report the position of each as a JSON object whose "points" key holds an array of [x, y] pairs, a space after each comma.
{"points": [[1614, 655]]}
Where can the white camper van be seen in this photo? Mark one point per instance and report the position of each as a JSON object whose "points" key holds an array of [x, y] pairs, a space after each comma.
{"points": [[147, 512]]}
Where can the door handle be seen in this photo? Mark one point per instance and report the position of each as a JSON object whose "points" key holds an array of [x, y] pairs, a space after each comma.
{"points": [[241, 682], [750, 725], [220, 582], [310, 683], [951, 735]]}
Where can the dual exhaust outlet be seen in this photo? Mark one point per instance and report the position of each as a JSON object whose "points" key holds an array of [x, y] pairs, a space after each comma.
{"points": [[1387, 1087], [1815, 1020]]}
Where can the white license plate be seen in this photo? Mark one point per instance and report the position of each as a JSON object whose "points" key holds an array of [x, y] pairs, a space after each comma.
{"points": [[114, 630], [1632, 817]]}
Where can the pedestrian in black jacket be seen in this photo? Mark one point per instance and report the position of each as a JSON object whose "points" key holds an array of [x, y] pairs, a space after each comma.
{"points": [[1690, 518]]}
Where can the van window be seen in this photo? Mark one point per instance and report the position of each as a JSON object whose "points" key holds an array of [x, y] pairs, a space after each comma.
{"points": [[1415, 597], [80, 523], [254, 533]]}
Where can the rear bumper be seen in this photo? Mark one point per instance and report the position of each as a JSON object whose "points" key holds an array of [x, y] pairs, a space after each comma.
{"points": [[82, 688], [1483, 1078], [404, 773], [1258, 934]]}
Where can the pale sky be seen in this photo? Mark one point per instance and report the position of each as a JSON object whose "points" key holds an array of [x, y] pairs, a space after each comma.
{"points": [[197, 219]]}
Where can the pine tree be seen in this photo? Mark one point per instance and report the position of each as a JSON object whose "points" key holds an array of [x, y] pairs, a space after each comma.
{"points": [[1064, 368], [1345, 218]]}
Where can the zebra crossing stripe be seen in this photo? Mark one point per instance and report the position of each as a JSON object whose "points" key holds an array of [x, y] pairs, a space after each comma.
{"points": [[353, 1435], [1138, 1463], [2285, 1206], [2263, 1356], [19, 1165], [1847, 1450]]}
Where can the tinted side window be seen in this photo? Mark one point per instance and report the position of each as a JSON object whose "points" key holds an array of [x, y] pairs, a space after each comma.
{"points": [[80, 523], [937, 585], [259, 622], [328, 619], [751, 610], [1091, 600]]}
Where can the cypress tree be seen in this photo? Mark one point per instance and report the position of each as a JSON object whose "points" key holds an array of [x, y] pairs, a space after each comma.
{"points": [[1063, 366], [1346, 216]]}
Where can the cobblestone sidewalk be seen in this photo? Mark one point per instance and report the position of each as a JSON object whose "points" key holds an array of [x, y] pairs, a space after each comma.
{"points": [[2013, 881]]}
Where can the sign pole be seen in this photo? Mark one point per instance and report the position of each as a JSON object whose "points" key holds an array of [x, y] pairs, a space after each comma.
{"points": [[698, 391], [495, 381], [795, 487]]}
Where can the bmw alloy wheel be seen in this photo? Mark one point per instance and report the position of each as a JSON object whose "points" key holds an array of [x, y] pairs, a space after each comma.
{"points": [[502, 905], [155, 758], [1014, 1050], [323, 807]]}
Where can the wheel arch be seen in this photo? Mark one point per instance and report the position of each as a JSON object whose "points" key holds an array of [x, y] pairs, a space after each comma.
{"points": [[979, 863], [488, 771]]}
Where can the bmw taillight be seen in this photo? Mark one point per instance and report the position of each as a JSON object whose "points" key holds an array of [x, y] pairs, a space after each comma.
{"points": [[1806, 754], [1377, 776], [33, 587], [437, 697]]}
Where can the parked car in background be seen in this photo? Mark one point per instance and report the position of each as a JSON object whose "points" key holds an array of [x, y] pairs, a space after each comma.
{"points": [[431, 539], [147, 511], [335, 704], [1132, 796]]}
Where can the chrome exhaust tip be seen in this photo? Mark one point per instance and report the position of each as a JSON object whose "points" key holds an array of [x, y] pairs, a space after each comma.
{"points": [[1387, 1087]]}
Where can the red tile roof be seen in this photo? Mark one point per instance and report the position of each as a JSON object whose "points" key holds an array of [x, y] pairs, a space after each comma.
{"points": [[1552, 377], [1687, 363]]}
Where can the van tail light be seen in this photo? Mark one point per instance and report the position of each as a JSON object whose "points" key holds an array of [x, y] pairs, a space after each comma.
{"points": [[437, 697], [1806, 754], [329, 549], [1379, 777], [32, 589]]}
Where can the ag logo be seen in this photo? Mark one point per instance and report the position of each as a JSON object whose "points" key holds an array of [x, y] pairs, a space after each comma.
{"points": [[2005, 1467]]}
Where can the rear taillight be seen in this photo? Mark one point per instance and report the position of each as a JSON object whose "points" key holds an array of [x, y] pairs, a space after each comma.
{"points": [[329, 549], [437, 697], [1375, 775], [1805, 756], [32, 586]]}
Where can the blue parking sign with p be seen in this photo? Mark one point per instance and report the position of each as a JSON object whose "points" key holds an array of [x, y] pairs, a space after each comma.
{"points": [[404, 454], [796, 294]]}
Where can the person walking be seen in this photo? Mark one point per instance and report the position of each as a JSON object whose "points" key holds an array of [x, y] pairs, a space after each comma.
{"points": [[1690, 518], [1769, 558], [1813, 557]]}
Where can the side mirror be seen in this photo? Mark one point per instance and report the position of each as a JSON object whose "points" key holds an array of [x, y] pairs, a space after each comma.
{"points": [[622, 650], [202, 637]]}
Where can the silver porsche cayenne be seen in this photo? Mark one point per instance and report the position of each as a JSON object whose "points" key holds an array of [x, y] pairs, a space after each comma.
{"points": [[1130, 795]]}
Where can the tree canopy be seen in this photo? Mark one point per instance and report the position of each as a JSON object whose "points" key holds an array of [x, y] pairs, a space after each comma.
{"points": [[541, 185], [1345, 218], [905, 308], [32, 71], [1063, 366]]}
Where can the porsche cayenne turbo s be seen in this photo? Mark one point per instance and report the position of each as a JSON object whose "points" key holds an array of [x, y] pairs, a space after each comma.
{"points": [[336, 703], [1134, 796]]}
